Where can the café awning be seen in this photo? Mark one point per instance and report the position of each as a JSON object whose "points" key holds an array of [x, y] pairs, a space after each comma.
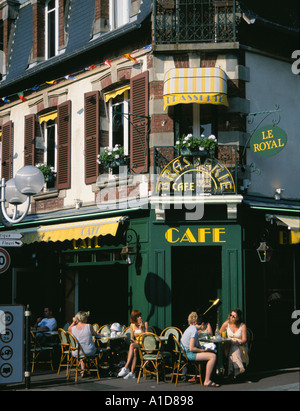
{"points": [[71, 231], [117, 92], [291, 223], [202, 85], [48, 116]]}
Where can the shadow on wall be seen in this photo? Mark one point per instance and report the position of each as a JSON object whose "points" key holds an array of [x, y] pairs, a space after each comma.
{"points": [[157, 292]]}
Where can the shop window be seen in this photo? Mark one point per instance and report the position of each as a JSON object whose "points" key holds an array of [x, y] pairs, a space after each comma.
{"points": [[119, 13], [51, 28], [119, 108]]}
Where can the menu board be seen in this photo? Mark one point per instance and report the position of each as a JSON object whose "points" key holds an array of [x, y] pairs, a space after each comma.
{"points": [[11, 343]]}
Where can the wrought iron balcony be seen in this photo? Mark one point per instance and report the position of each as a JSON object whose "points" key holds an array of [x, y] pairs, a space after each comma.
{"points": [[195, 21]]}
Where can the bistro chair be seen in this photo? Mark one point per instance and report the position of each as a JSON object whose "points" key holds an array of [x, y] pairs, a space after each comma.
{"points": [[95, 326], [65, 348], [182, 363], [37, 349], [172, 330], [150, 355], [90, 360], [104, 329]]}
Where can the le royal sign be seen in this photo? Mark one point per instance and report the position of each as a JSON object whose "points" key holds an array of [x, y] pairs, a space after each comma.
{"points": [[268, 141], [194, 175]]}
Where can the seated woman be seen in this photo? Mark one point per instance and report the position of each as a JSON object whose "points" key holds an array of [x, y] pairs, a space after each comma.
{"points": [[203, 326], [237, 351], [190, 343], [84, 333], [137, 327]]}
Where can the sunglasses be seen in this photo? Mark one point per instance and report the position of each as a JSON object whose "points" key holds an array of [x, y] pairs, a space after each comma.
{"points": [[233, 316]]}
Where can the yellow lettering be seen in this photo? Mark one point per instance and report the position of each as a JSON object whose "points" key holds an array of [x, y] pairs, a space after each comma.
{"points": [[177, 166], [169, 235], [202, 233], [226, 185], [188, 236], [256, 147], [270, 135], [279, 143], [216, 235], [75, 245]]}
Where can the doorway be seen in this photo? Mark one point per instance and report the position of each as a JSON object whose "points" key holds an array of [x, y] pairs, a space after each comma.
{"points": [[196, 279], [103, 290]]}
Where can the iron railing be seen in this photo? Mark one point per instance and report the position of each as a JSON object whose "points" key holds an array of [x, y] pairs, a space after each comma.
{"points": [[195, 21]]}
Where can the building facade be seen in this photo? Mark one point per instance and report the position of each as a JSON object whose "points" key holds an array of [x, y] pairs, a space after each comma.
{"points": [[138, 77]]}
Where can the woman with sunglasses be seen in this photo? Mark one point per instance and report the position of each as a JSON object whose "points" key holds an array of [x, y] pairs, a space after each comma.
{"points": [[237, 350]]}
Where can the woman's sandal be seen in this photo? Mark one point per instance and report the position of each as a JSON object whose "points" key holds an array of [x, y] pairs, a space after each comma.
{"points": [[212, 385]]}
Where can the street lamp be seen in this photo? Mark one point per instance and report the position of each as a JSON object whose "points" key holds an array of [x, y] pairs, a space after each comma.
{"points": [[29, 180]]}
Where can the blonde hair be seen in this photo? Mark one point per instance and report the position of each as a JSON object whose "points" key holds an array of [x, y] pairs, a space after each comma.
{"points": [[192, 317], [82, 316]]}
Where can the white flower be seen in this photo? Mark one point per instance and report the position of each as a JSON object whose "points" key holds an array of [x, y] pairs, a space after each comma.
{"points": [[109, 153], [202, 136], [212, 137], [201, 148], [98, 161], [117, 156]]}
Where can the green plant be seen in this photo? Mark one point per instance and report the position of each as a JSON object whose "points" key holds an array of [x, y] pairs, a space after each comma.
{"points": [[110, 155], [196, 143], [46, 169]]}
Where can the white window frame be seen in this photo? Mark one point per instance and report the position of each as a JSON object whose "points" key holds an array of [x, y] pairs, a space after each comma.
{"points": [[45, 134], [56, 29], [119, 13], [125, 103]]}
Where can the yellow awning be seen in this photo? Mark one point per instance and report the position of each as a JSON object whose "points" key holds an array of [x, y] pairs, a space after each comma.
{"points": [[115, 93], [70, 231], [48, 116], [195, 85], [292, 223]]}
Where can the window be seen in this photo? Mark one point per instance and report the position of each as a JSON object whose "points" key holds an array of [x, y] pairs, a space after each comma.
{"points": [[119, 107], [195, 119], [51, 28], [119, 13], [50, 143]]}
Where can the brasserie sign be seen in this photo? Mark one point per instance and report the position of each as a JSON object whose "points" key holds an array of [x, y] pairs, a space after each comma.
{"points": [[268, 141], [194, 175]]}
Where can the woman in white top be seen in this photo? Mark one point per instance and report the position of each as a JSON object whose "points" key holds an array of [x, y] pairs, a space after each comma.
{"points": [[84, 333], [238, 349]]}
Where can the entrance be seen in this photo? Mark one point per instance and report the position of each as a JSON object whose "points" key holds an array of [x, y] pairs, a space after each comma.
{"points": [[196, 279], [103, 290]]}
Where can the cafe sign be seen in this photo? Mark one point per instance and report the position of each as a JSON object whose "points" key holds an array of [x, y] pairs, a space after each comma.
{"points": [[268, 141], [194, 175]]}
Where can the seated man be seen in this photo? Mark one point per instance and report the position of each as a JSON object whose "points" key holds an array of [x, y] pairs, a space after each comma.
{"points": [[48, 323]]}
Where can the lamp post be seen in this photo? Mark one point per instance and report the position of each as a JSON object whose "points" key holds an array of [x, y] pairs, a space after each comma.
{"points": [[29, 180], [264, 252]]}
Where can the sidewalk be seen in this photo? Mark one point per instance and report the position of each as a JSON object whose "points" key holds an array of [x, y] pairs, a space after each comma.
{"points": [[277, 380]]}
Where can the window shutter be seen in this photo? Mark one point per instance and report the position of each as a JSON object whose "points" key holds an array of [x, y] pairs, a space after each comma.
{"points": [[7, 149], [29, 140], [139, 103], [63, 179], [91, 135]]}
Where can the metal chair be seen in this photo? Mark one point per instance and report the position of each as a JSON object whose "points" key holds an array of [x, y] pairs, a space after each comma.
{"points": [[150, 355], [90, 360], [65, 349], [37, 349], [182, 363]]}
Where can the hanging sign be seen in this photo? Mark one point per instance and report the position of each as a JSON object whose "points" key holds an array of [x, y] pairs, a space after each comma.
{"points": [[268, 141]]}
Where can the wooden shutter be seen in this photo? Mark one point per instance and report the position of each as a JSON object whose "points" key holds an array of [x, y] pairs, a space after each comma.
{"points": [[91, 135], [29, 140], [7, 150], [63, 179], [139, 103]]}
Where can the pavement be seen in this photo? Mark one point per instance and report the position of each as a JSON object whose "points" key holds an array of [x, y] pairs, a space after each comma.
{"points": [[107, 387]]}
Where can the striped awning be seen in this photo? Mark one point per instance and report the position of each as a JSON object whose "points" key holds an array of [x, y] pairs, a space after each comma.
{"points": [[48, 116], [195, 85], [292, 223], [71, 231], [116, 92]]}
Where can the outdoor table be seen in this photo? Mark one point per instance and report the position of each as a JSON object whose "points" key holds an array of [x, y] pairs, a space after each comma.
{"points": [[218, 342]]}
